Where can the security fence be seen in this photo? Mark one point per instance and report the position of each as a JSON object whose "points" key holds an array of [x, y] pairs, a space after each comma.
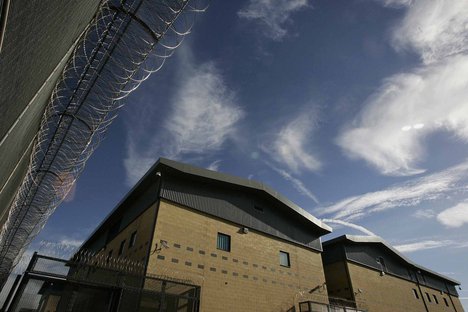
{"points": [[56, 285]]}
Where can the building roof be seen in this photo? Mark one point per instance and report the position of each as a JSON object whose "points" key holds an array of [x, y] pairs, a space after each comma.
{"points": [[166, 164], [378, 240]]}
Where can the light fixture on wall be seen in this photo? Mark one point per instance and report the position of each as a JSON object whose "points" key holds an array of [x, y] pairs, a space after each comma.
{"points": [[159, 246], [245, 230]]}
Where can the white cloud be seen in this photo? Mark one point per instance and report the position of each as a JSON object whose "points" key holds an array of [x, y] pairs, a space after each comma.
{"points": [[214, 165], [297, 184], [423, 245], [424, 214], [390, 131], [409, 193], [290, 144], [455, 216], [272, 15], [434, 29], [203, 116], [351, 225]]}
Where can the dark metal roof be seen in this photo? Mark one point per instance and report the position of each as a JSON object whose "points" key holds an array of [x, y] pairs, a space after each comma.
{"points": [[166, 165], [357, 239]]}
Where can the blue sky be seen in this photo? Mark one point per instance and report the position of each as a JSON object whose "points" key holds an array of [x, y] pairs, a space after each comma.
{"points": [[357, 110]]}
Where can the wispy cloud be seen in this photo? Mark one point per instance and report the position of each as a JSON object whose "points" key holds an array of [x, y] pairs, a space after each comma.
{"points": [[454, 217], [360, 228], [297, 183], [423, 245], [390, 131], [424, 214], [410, 193], [214, 165], [291, 146], [272, 15], [204, 114], [433, 29]]}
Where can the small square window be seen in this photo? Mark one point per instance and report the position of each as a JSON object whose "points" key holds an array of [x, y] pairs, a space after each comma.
{"points": [[284, 259], [224, 242], [132, 241], [122, 246]]}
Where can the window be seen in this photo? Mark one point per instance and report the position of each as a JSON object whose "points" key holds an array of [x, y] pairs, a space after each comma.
{"points": [[224, 242], [428, 297], [435, 299], [415, 292], [258, 208], [132, 241], [109, 256], [122, 246], [284, 259], [446, 302]]}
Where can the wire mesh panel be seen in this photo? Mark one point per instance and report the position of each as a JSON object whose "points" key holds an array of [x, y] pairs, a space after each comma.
{"points": [[57, 285]]}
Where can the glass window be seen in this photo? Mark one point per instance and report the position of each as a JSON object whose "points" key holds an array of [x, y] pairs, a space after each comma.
{"points": [[415, 292], [132, 241], [284, 259], [435, 299], [224, 242], [122, 246]]}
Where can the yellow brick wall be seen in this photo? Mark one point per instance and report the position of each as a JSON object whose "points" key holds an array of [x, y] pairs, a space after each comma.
{"points": [[390, 293], [338, 285], [144, 227], [248, 278]]}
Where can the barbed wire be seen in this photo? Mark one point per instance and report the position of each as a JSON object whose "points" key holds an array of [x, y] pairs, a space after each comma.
{"points": [[123, 45]]}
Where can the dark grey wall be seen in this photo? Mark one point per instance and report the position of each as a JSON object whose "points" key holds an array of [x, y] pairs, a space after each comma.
{"points": [[367, 255], [238, 206]]}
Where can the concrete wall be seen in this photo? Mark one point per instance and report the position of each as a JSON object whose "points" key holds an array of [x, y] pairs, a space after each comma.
{"points": [[248, 278]]}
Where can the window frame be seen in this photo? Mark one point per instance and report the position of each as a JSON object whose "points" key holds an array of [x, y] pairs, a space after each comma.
{"points": [[288, 258], [122, 247], [132, 239], [219, 246]]}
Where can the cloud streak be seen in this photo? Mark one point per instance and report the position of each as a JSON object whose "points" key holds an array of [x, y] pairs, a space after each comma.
{"points": [[407, 194], [204, 114], [272, 15], [297, 184], [424, 245], [350, 225]]}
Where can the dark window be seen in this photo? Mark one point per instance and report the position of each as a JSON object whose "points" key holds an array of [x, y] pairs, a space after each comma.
{"points": [[258, 208], [428, 297], [284, 259], [224, 242], [132, 241], [435, 299], [415, 292], [109, 256], [446, 302], [122, 246]]}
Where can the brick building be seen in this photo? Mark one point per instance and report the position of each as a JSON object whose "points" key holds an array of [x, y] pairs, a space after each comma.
{"points": [[370, 272], [245, 246]]}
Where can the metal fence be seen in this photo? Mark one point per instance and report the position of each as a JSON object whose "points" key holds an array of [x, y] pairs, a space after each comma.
{"points": [[56, 285], [310, 306]]}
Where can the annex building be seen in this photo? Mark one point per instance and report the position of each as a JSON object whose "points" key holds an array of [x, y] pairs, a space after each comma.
{"points": [[374, 275]]}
